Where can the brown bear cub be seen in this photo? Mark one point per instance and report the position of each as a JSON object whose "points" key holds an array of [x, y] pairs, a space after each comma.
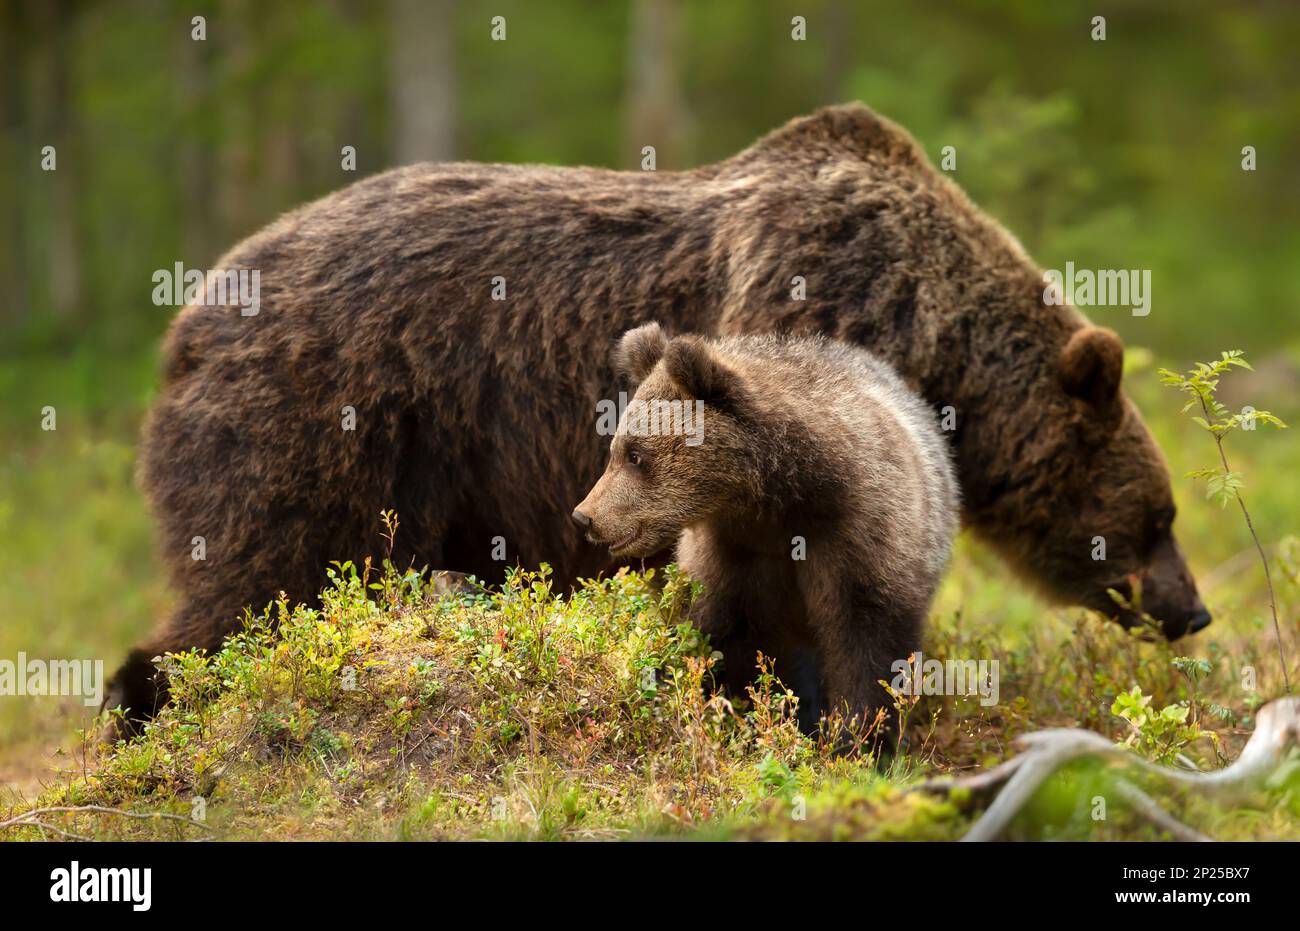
{"points": [[809, 492]]}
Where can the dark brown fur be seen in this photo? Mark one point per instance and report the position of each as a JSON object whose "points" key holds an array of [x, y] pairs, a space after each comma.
{"points": [[475, 416]]}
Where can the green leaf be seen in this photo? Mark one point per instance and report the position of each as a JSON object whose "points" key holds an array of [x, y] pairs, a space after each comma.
{"points": [[1175, 713], [1223, 487]]}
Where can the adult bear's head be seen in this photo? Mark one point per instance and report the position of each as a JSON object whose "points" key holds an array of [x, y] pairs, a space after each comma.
{"points": [[1055, 463], [1108, 521]]}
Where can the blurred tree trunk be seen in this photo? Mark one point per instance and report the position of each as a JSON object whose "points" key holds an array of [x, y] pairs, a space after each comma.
{"points": [[237, 50], [655, 112], [288, 113], [355, 122], [295, 117], [17, 162], [197, 166], [423, 80], [839, 37], [58, 126]]}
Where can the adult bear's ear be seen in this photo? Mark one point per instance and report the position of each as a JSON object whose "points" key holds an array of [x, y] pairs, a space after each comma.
{"points": [[1089, 369], [638, 352], [697, 371]]}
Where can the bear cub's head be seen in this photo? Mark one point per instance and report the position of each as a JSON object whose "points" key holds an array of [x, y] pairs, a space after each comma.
{"points": [[683, 451]]}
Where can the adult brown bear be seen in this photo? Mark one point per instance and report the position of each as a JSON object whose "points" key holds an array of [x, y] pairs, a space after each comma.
{"points": [[436, 339]]}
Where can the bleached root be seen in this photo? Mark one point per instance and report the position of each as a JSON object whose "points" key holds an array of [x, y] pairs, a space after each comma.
{"points": [[1013, 783]]}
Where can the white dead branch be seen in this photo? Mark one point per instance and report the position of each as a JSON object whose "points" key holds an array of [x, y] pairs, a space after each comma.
{"points": [[1277, 731]]}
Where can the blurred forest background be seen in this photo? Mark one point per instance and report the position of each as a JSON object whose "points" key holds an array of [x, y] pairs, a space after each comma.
{"points": [[1123, 153]]}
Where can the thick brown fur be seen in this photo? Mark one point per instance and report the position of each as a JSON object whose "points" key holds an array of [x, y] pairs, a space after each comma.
{"points": [[474, 416], [812, 494]]}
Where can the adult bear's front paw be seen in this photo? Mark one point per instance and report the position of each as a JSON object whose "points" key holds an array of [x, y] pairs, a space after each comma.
{"points": [[139, 688]]}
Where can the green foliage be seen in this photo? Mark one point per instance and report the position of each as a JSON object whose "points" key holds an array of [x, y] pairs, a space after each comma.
{"points": [[1201, 384], [1045, 141], [514, 712], [1160, 736]]}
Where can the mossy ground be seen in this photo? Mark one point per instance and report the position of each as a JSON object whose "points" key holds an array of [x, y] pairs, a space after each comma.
{"points": [[395, 712]]}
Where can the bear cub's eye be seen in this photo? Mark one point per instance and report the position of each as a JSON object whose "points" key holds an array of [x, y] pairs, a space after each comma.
{"points": [[633, 457]]}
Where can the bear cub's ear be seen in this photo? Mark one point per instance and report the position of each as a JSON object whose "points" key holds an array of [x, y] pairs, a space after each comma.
{"points": [[697, 371], [639, 351], [1090, 366]]}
